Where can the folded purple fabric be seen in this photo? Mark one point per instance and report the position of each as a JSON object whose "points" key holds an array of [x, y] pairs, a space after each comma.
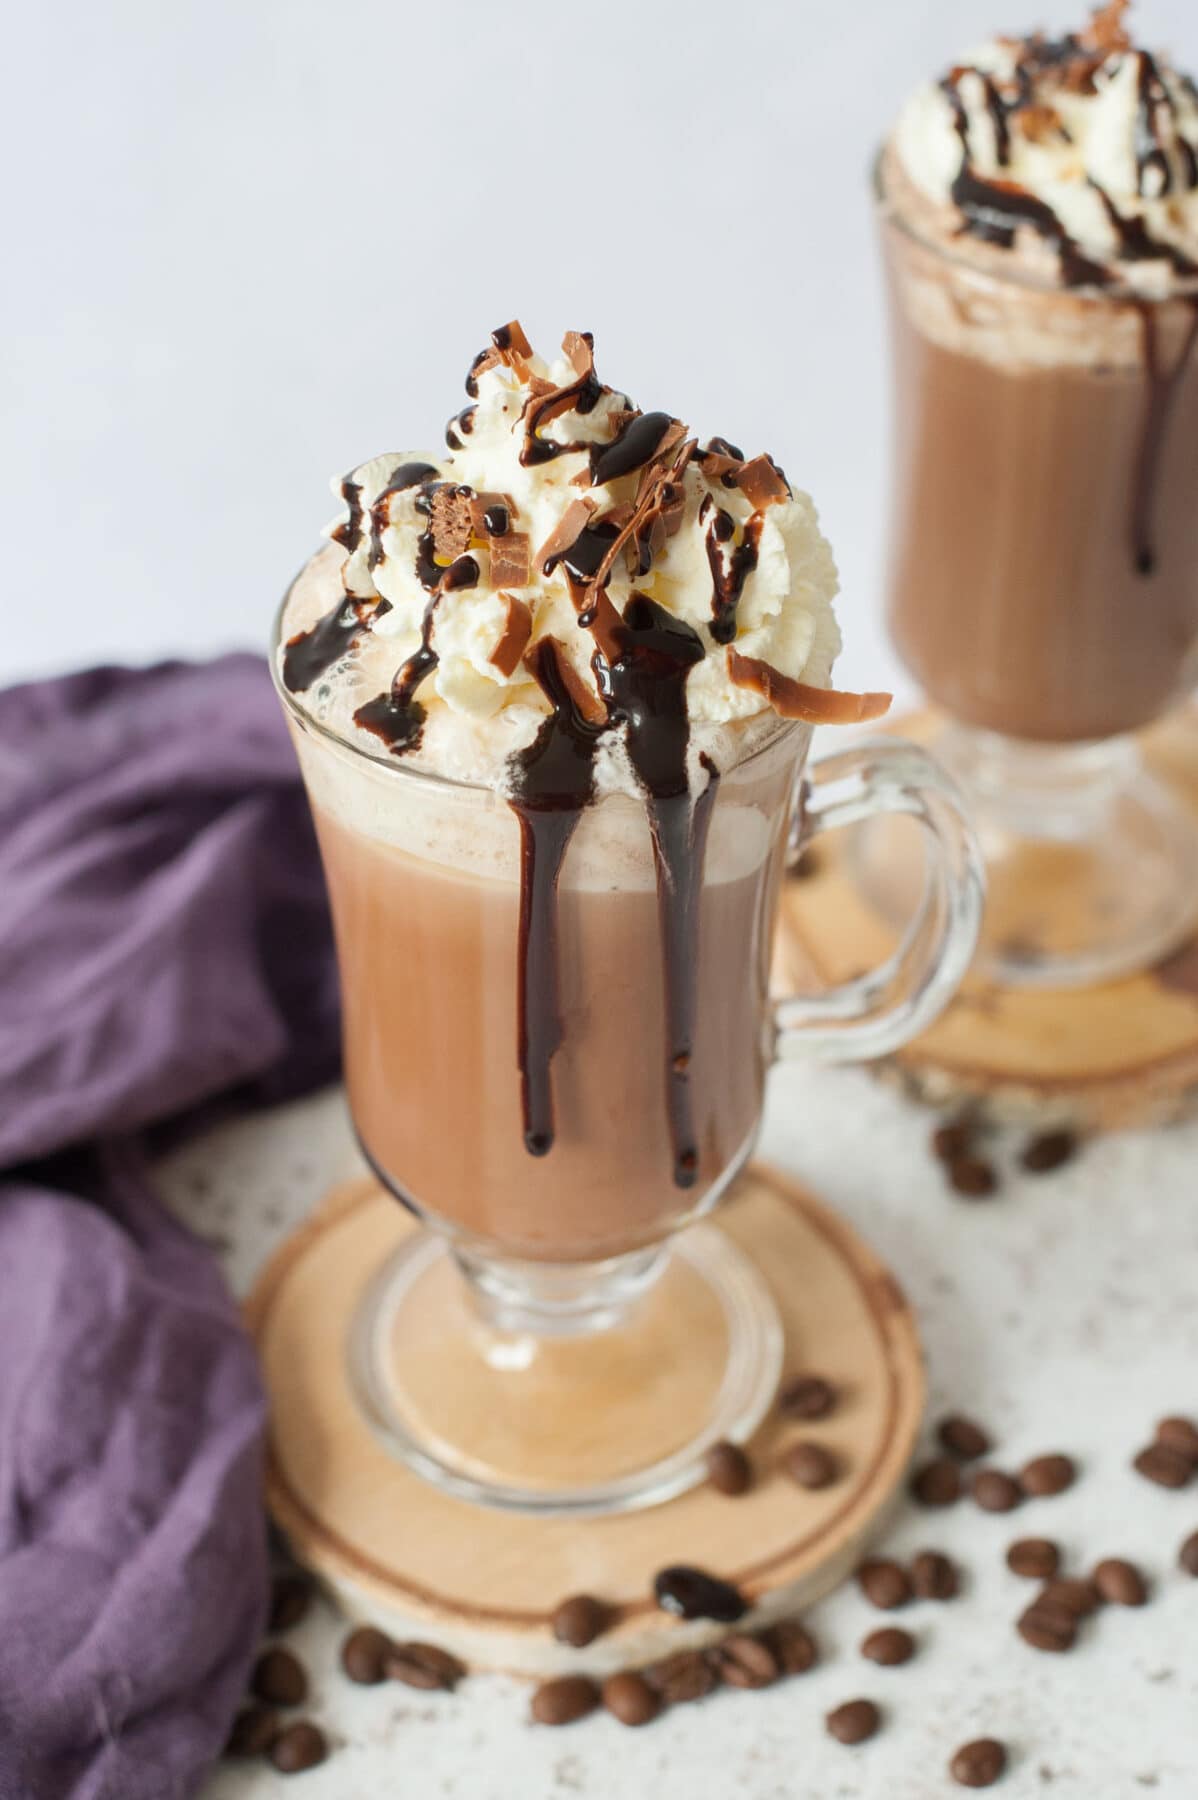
{"points": [[164, 941]]}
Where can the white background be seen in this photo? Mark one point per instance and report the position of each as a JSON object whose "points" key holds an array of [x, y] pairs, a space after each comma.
{"points": [[251, 242]]}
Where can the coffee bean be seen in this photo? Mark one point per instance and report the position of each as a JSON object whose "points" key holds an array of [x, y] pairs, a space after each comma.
{"points": [[810, 1465], [1047, 1475], [1181, 1434], [1048, 1151], [793, 1647], [253, 1733], [742, 1661], [290, 1598], [979, 1764], [728, 1469], [890, 1646], [580, 1620], [424, 1666], [933, 1576], [952, 1141], [630, 1699], [1044, 1629], [1037, 1557], [1187, 1556], [971, 1177], [885, 1584], [996, 1492], [363, 1654], [853, 1722], [1120, 1582], [807, 1397], [1165, 1464], [693, 1594], [937, 1483], [301, 1746], [279, 1678], [687, 1675], [562, 1701], [1070, 1595], [962, 1438]]}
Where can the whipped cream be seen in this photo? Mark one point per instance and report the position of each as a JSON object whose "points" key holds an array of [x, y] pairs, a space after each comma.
{"points": [[1101, 137]]}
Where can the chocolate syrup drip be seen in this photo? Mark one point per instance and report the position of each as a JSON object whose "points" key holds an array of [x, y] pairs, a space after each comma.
{"points": [[728, 578], [994, 210], [581, 559], [427, 571], [307, 655], [1151, 94], [403, 476], [459, 427], [398, 717], [720, 446], [497, 520], [997, 108], [349, 533], [632, 449], [472, 374], [554, 780], [583, 394], [461, 573], [1162, 389], [1136, 243]]}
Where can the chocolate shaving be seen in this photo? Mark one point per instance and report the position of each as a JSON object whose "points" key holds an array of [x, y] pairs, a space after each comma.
{"points": [[1106, 30], [585, 698], [798, 699], [509, 340], [576, 516], [579, 350], [761, 482], [510, 561], [513, 640], [719, 469], [450, 522]]}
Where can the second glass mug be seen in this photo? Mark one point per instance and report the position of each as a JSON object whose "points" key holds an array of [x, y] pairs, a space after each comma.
{"points": [[554, 1342]]}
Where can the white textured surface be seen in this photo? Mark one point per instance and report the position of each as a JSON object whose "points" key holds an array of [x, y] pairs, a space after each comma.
{"points": [[1062, 1314]]}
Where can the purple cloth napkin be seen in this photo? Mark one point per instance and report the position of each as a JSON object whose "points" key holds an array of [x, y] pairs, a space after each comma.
{"points": [[164, 941]]}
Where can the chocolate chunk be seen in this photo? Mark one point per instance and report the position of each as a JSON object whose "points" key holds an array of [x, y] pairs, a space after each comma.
{"points": [[996, 1492], [691, 1593], [979, 1764], [812, 1466], [301, 1746], [513, 639], [972, 1177], [562, 1701], [279, 1678], [793, 1646], [450, 523], [688, 1675], [1119, 1582], [953, 1141], [853, 1722], [290, 1598], [363, 1654], [890, 1646], [1035, 1557], [884, 1583], [463, 572], [1179, 1434], [1187, 1556], [1048, 1151], [742, 1661], [933, 1576], [728, 1468], [962, 1438], [424, 1666], [1045, 1476], [629, 1698], [807, 1397], [510, 560], [491, 514], [569, 526], [580, 1620], [1165, 1464], [253, 1733], [760, 482], [937, 1483]]}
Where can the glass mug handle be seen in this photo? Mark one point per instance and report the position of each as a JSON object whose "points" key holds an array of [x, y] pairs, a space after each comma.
{"points": [[876, 1012]]}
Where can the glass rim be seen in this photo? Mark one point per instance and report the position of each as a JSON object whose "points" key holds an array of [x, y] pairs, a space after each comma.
{"points": [[1184, 289], [430, 778]]}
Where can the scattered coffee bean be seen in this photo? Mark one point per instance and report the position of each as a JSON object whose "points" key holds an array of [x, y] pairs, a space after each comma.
{"points": [[937, 1483], [301, 1746], [693, 1594], [563, 1700], [1047, 1475], [253, 1733], [1041, 1155], [890, 1646], [979, 1764], [996, 1492], [885, 1584], [728, 1469], [1070, 1595], [1187, 1556], [793, 1647], [742, 1661], [1165, 1464], [687, 1675], [1036, 1557], [807, 1397], [853, 1722], [580, 1620], [933, 1576], [810, 1465], [279, 1678], [290, 1598], [1181, 1434], [962, 1438], [424, 1666], [1044, 1629], [630, 1699], [971, 1177], [363, 1654], [1119, 1582], [952, 1141]]}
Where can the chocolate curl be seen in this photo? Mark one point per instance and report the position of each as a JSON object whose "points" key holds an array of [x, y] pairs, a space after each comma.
{"points": [[655, 478], [575, 518], [1106, 31], [585, 698], [798, 699], [760, 482], [513, 639], [546, 402]]}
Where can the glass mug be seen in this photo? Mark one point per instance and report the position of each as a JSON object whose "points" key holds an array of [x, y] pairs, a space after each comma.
{"points": [[551, 1289]]}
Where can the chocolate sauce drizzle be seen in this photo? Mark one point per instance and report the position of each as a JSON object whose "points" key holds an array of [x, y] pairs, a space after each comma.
{"points": [[307, 655], [728, 578], [404, 475], [349, 532], [632, 449]]}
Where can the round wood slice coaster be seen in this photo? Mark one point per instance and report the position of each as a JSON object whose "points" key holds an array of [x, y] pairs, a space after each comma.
{"points": [[1103, 1058], [398, 1553]]}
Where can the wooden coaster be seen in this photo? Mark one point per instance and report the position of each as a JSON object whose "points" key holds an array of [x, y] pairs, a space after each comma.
{"points": [[1104, 1058], [397, 1552]]}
